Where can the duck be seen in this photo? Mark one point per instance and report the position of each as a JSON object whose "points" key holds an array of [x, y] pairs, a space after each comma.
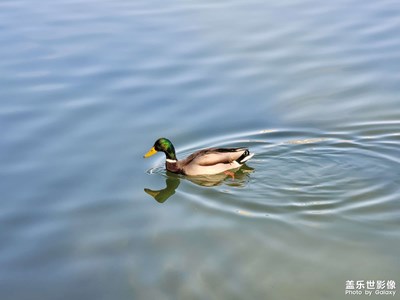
{"points": [[208, 161]]}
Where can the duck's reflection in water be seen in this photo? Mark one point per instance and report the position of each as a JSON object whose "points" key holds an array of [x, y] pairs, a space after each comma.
{"points": [[172, 182], [235, 178]]}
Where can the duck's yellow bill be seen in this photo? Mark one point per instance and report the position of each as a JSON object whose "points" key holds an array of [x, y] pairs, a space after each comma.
{"points": [[151, 152]]}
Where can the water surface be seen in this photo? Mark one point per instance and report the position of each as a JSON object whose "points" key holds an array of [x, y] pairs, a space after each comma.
{"points": [[87, 87]]}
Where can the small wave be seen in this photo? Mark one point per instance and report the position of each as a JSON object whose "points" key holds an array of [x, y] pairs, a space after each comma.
{"points": [[303, 176]]}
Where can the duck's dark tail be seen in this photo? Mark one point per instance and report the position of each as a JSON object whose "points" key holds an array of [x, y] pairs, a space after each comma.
{"points": [[245, 157]]}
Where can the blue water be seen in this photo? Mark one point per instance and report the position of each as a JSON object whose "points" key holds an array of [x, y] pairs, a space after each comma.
{"points": [[86, 87]]}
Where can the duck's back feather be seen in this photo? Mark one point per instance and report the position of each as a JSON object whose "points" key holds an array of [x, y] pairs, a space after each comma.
{"points": [[213, 160], [212, 156]]}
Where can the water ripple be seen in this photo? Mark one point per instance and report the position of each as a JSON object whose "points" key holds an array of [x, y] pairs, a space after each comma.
{"points": [[310, 86], [307, 177]]}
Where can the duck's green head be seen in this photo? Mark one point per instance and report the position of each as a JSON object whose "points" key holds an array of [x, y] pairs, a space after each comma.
{"points": [[163, 145]]}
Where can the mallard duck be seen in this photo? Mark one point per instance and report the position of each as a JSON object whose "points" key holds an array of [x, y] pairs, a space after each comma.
{"points": [[203, 162]]}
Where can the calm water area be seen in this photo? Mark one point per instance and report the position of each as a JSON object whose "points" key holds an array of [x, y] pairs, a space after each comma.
{"points": [[311, 87]]}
